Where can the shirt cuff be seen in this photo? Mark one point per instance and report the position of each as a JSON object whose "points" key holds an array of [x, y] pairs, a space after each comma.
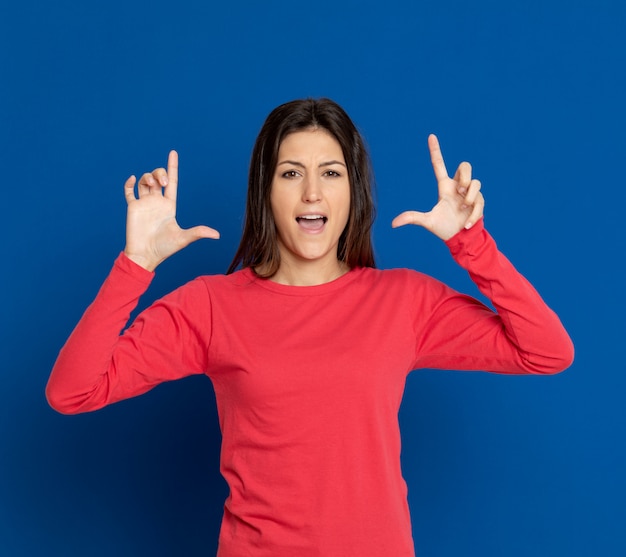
{"points": [[133, 271]]}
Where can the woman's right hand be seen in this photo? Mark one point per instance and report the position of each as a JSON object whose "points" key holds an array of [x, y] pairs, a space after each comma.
{"points": [[152, 233]]}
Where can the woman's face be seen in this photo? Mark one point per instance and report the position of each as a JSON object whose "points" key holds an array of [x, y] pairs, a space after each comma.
{"points": [[310, 197]]}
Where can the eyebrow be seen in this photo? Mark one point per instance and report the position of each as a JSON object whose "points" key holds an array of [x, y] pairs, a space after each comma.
{"points": [[296, 163]]}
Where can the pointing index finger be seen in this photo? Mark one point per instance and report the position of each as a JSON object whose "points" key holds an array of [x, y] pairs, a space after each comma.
{"points": [[436, 158], [172, 175]]}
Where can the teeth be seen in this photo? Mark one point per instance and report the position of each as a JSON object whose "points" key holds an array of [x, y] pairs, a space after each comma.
{"points": [[311, 217]]}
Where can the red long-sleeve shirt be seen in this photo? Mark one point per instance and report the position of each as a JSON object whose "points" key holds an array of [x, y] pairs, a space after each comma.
{"points": [[308, 383]]}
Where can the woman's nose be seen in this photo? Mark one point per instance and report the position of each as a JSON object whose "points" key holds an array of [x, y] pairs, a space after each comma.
{"points": [[312, 192]]}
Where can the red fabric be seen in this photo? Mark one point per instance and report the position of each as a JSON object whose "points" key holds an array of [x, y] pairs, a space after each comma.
{"points": [[308, 382]]}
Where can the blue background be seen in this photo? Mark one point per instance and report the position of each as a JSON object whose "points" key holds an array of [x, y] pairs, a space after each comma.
{"points": [[530, 92]]}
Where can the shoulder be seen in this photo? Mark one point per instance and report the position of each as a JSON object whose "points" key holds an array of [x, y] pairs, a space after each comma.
{"points": [[241, 278], [399, 283], [394, 277], [403, 290], [236, 283]]}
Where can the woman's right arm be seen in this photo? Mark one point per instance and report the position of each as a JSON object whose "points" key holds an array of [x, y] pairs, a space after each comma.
{"points": [[97, 365]]}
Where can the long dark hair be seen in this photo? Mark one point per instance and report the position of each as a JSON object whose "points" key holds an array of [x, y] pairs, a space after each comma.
{"points": [[258, 247]]}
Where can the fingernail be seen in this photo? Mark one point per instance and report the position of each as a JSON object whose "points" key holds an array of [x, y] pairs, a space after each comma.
{"points": [[164, 181], [468, 225]]}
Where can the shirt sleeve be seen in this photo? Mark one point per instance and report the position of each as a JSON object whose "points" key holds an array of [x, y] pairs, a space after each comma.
{"points": [[523, 335], [99, 365]]}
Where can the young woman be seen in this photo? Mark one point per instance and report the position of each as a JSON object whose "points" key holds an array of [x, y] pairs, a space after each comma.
{"points": [[307, 344]]}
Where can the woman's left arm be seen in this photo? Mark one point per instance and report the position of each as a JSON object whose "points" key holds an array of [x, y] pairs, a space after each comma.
{"points": [[525, 335]]}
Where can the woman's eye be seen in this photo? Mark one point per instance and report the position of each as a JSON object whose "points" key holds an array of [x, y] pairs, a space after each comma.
{"points": [[290, 174], [332, 173]]}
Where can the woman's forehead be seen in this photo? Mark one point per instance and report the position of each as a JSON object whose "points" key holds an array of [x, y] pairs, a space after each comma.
{"points": [[311, 142]]}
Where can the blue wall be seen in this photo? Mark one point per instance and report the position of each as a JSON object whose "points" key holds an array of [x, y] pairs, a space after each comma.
{"points": [[530, 92]]}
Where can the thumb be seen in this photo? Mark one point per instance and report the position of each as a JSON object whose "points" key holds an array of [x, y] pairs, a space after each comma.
{"points": [[198, 233], [409, 217]]}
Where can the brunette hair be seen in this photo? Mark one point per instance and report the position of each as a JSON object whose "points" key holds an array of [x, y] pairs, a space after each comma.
{"points": [[258, 247]]}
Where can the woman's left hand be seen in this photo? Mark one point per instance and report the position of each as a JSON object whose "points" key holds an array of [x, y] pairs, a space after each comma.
{"points": [[460, 202]]}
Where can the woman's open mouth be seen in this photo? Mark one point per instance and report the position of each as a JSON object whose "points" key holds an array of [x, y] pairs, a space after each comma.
{"points": [[312, 223]]}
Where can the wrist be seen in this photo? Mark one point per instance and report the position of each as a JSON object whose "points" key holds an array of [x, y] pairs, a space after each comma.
{"points": [[149, 264]]}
